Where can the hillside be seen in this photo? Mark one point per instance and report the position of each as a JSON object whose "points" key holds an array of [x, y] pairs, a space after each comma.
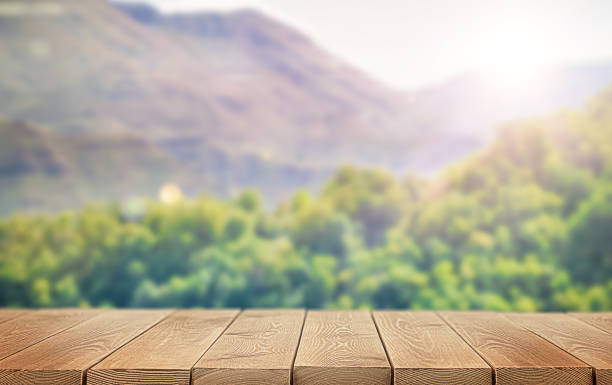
{"points": [[43, 170], [217, 102], [105, 73], [466, 112], [523, 225]]}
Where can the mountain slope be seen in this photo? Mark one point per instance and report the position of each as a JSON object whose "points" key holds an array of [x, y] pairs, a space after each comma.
{"points": [[436, 125], [465, 113], [217, 102], [233, 111], [107, 73], [42, 170]]}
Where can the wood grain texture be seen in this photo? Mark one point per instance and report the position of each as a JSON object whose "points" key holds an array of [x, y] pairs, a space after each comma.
{"points": [[341, 347], [602, 321], [585, 342], [165, 353], [33, 327], [257, 348], [518, 356], [64, 357], [423, 349], [9, 314]]}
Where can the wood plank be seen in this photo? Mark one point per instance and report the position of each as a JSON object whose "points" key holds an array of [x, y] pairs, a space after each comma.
{"points": [[602, 321], [341, 347], [64, 357], [165, 353], [33, 327], [518, 355], [9, 314], [423, 349], [585, 342], [257, 348]]}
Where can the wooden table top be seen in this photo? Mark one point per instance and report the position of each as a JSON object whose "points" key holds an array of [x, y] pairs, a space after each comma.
{"points": [[293, 346]]}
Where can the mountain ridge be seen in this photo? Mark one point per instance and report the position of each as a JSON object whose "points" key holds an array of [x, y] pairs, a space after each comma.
{"points": [[228, 101]]}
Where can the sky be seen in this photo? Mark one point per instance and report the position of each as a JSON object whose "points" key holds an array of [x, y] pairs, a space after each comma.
{"points": [[411, 43]]}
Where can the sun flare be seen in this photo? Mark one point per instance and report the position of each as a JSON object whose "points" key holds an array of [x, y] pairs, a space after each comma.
{"points": [[516, 56]]}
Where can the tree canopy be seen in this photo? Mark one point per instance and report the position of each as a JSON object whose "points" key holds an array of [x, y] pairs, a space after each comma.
{"points": [[524, 225]]}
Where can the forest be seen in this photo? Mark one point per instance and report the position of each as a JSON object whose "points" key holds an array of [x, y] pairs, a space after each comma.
{"points": [[524, 225]]}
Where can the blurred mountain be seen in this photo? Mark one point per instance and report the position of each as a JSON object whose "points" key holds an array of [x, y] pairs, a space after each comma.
{"points": [[240, 80], [122, 98], [467, 111], [41, 169]]}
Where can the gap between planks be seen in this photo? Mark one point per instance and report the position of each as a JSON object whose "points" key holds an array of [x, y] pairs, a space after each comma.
{"points": [[601, 321], [341, 347], [583, 341], [166, 352], [259, 347], [517, 355], [41, 324], [347, 330], [64, 358], [422, 348]]}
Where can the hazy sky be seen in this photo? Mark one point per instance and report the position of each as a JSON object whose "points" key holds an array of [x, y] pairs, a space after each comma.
{"points": [[409, 43]]}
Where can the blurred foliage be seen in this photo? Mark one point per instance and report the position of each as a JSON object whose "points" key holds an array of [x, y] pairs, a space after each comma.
{"points": [[525, 225]]}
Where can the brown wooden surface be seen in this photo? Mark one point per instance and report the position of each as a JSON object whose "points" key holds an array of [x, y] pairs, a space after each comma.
{"points": [[423, 349], [165, 353], [103, 347], [340, 347], [9, 314], [518, 356], [64, 357], [32, 327], [585, 342], [258, 348], [602, 321]]}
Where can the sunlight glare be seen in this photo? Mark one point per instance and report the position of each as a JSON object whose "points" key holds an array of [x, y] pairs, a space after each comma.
{"points": [[517, 55]]}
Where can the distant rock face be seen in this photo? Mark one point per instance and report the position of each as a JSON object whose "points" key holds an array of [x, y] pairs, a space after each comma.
{"points": [[220, 101]]}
